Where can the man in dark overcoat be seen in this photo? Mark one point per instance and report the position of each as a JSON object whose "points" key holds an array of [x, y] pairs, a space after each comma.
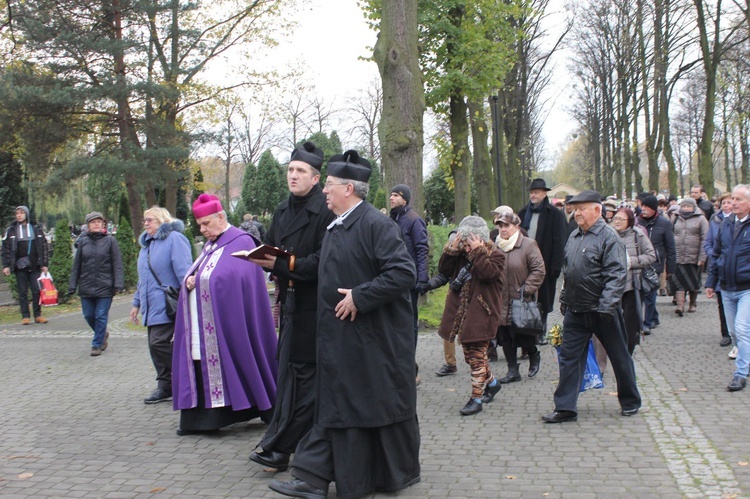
{"points": [[547, 226], [366, 435], [298, 226]]}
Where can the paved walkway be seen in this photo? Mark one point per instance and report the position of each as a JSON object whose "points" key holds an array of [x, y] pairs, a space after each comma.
{"points": [[76, 426]]}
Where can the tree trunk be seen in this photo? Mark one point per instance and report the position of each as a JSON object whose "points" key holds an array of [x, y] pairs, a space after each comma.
{"points": [[460, 157], [486, 200], [401, 124]]}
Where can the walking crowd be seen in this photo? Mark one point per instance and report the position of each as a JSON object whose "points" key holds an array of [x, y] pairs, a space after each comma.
{"points": [[337, 384]]}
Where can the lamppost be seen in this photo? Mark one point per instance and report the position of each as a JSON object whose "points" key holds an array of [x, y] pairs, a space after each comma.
{"points": [[496, 140]]}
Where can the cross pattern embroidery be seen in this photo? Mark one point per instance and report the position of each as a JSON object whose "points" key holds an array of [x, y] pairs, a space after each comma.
{"points": [[217, 392], [210, 328], [213, 360], [204, 295], [210, 266]]}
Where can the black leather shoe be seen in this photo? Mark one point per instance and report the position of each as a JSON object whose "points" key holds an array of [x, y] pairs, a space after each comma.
{"points": [[725, 341], [646, 331], [446, 370], [512, 376], [629, 412], [737, 384], [271, 459], [158, 395], [490, 392], [534, 362], [560, 417], [472, 407], [297, 488]]}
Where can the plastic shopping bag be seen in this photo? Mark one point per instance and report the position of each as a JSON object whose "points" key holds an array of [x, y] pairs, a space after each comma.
{"points": [[47, 290], [592, 376]]}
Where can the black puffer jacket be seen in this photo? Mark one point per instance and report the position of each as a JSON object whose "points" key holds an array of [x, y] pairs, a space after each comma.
{"points": [[39, 254], [97, 268], [595, 269]]}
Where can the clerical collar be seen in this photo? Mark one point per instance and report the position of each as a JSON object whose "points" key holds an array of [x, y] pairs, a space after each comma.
{"points": [[340, 219]]}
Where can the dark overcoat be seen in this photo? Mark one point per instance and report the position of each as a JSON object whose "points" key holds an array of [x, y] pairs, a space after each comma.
{"points": [[365, 367], [551, 238], [301, 233], [482, 316]]}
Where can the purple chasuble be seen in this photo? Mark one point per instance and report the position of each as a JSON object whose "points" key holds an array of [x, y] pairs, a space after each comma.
{"points": [[237, 336]]}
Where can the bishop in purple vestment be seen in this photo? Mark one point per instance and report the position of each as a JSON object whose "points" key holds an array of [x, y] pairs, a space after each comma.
{"points": [[224, 358]]}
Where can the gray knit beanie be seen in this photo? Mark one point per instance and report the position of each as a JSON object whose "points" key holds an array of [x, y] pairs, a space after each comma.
{"points": [[474, 225]]}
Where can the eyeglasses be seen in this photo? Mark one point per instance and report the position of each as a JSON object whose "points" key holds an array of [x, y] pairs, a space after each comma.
{"points": [[148, 220], [620, 219], [328, 185]]}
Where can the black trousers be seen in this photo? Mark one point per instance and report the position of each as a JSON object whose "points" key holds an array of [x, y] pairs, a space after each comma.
{"points": [[573, 353], [27, 280], [160, 347]]}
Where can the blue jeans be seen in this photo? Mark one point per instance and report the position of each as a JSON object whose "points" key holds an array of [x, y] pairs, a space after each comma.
{"points": [[96, 313], [650, 315], [737, 311]]}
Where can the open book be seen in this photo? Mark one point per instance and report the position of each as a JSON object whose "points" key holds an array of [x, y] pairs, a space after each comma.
{"points": [[262, 252]]}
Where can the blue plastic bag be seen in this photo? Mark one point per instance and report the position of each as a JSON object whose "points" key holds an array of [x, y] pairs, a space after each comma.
{"points": [[592, 376]]}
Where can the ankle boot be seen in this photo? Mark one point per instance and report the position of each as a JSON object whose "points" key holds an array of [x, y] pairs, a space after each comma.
{"points": [[534, 361], [693, 304], [679, 297], [512, 376]]}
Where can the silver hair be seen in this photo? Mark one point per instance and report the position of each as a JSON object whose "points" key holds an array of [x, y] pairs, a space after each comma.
{"points": [[361, 189], [745, 187]]}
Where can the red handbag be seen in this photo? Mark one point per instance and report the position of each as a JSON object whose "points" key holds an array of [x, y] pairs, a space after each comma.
{"points": [[47, 290]]}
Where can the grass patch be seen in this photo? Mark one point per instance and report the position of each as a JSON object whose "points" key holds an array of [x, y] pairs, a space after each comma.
{"points": [[431, 312], [10, 314]]}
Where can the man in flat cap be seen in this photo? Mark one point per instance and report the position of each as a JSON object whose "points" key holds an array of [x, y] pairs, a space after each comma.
{"points": [[365, 436], [298, 226], [595, 269], [414, 232], [546, 225]]}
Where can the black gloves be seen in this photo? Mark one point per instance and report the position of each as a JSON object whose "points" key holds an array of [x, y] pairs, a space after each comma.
{"points": [[422, 287]]}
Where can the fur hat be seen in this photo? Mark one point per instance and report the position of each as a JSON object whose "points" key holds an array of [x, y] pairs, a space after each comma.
{"points": [[206, 204], [473, 225], [403, 191]]}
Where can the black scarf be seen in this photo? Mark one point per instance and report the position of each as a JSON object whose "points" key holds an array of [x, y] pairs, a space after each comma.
{"points": [[299, 202], [532, 209], [395, 212]]}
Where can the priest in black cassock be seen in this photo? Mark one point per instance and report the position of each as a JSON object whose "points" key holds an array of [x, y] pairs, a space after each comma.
{"points": [[365, 436]]}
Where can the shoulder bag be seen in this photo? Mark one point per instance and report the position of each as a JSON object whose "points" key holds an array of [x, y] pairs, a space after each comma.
{"points": [[526, 318], [171, 294]]}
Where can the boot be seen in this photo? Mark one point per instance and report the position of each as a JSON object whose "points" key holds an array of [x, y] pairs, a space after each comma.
{"points": [[512, 376], [693, 304], [534, 361], [679, 297]]}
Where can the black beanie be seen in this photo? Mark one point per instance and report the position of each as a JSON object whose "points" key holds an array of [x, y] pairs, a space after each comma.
{"points": [[403, 191], [651, 202]]}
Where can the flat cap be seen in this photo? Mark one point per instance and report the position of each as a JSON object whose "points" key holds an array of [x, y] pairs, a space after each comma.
{"points": [[586, 197]]}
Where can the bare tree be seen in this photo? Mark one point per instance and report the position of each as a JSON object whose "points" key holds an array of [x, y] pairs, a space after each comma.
{"points": [[368, 108]]}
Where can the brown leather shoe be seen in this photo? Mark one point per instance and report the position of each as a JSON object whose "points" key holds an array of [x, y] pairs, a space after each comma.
{"points": [[41, 320], [25, 321]]}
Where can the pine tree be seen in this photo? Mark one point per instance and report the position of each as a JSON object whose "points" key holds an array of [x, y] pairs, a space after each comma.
{"points": [[191, 239], [61, 263], [124, 210], [266, 185], [11, 186], [196, 190], [129, 250]]}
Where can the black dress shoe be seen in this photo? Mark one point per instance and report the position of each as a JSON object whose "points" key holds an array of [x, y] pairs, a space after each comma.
{"points": [[271, 459], [737, 384], [490, 392], [534, 362], [158, 395], [446, 370], [472, 407], [725, 341], [646, 331], [629, 412], [297, 488], [560, 417]]}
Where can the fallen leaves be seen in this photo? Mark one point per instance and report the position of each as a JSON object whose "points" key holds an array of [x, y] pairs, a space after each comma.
{"points": [[24, 476], [157, 489]]}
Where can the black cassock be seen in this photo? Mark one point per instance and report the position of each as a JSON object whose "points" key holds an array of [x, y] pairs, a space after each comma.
{"points": [[366, 435], [301, 232]]}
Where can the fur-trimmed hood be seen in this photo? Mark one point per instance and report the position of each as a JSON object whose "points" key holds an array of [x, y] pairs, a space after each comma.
{"points": [[163, 231]]}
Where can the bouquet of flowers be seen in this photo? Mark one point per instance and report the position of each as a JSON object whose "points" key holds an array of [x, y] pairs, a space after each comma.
{"points": [[555, 335]]}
